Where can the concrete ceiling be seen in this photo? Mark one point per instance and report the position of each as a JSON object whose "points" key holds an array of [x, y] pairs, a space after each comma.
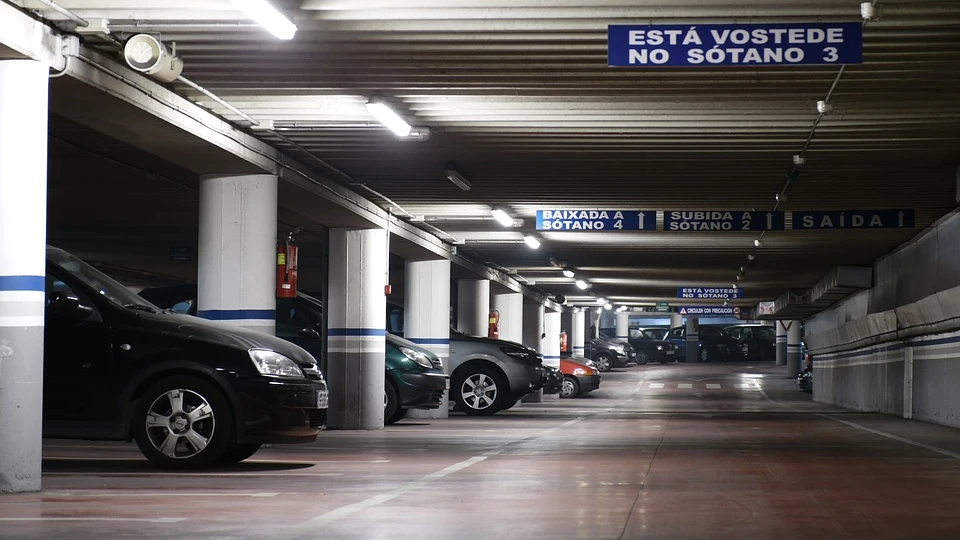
{"points": [[519, 97]]}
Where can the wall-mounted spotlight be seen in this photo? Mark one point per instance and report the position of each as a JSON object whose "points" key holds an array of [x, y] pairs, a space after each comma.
{"points": [[381, 110], [581, 284], [502, 217], [458, 179], [756, 243], [780, 197], [799, 159], [532, 241], [824, 108]]}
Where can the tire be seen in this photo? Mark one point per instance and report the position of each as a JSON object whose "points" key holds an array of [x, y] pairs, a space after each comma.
{"points": [[238, 453], [510, 405], [397, 416], [480, 390], [704, 354], [391, 404], [642, 357], [605, 362], [170, 431], [570, 387]]}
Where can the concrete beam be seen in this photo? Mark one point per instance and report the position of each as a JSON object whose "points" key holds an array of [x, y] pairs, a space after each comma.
{"points": [[31, 38]]}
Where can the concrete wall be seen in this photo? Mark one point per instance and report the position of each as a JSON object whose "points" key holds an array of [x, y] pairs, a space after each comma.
{"points": [[895, 348]]}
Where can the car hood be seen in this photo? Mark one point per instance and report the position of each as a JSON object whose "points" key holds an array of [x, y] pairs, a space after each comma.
{"points": [[491, 341], [194, 328]]}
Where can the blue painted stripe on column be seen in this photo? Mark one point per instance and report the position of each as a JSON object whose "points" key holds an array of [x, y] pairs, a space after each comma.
{"points": [[22, 283], [938, 341], [237, 314], [548, 357], [429, 341], [356, 332], [781, 338]]}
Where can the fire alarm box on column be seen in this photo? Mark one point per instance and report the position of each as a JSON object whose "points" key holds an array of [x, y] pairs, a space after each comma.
{"points": [[493, 331], [287, 270]]}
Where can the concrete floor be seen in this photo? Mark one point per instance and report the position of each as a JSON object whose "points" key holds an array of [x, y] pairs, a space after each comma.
{"points": [[678, 451]]}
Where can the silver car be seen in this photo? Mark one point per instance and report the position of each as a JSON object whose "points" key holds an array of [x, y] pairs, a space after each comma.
{"points": [[489, 375]]}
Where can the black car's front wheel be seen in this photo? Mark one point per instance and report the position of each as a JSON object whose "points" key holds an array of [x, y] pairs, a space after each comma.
{"points": [[183, 422], [605, 362], [642, 357], [480, 390], [391, 404], [704, 354], [238, 452]]}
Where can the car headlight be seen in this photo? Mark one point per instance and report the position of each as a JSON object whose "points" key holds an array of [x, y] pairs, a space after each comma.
{"points": [[274, 364], [417, 357], [659, 347], [618, 349], [579, 371]]}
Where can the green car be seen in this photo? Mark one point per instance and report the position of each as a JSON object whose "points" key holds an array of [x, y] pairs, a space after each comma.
{"points": [[414, 376]]}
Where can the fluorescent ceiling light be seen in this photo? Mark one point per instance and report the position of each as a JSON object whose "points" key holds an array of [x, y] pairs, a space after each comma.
{"points": [[268, 17], [582, 284], [608, 307], [756, 243], [570, 273], [531, 241], [458, 179], [388, 117], [601, 301], [504, 218]]}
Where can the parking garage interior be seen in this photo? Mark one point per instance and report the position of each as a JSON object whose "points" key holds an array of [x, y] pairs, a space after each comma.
{"points": [[595, 199]]}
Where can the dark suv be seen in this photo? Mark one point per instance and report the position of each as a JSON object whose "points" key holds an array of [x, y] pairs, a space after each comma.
{"points": [[192, 393], [760, 341], [609, 353], [714, 344]]}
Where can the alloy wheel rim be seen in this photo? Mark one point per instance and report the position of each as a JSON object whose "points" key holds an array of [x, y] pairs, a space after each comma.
{"points": [[478, 391], [180, 423], [567, 389]]}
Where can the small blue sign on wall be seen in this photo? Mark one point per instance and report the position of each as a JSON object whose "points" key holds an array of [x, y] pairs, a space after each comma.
{"points": [[709, 293], [707, 45], [708, 310], [722, 220], [596, 220], [855, 219]]}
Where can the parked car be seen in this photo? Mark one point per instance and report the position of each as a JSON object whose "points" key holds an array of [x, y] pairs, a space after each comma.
{"points": [[609, 353], [580, 376], [552, 380], [760, 341], [650, 348], [192, 393], [714, 344], [805, 380], [489, 375], [414, 377], [653, 332]]}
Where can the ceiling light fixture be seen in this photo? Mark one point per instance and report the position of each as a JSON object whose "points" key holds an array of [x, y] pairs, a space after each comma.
{"points": [[726, 303], [268, 17], [568, 272], [734, 286], [608, 306], [581, 284], [502, 217], [601, 301], [531, 241], [751, 257], [388, 117], [756, 243], [458, 179]]}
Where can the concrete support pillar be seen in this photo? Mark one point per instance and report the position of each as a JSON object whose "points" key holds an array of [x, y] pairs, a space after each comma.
{"points": [[551, 343], [693, 337], [623, 325], [23, 232], [426, 316], [533, 320], [676, 320], [793, 349], [237, 253], [473, 306], [356, 321], [781, 342], [577, 338], [510, 306]]}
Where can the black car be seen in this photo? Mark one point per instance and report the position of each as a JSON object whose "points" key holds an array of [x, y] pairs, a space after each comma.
{"points": [[650, 346], [552, 379], [714, 344], [414, 377], [760, 341], [609, 353], [191, 392]]}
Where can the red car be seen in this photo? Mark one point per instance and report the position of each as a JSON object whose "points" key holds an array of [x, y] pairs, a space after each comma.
{"points": [[579, 377]]}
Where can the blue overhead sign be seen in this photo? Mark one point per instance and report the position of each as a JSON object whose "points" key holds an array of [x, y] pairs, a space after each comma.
{"points": [[596, 220], [722, 220], [700, 311], [706, 45], [854, 219], [709, 293]]}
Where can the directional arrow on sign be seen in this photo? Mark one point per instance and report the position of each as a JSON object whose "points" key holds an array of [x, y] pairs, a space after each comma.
{"points": [[641, 219], [769, 220], [899, 215]]}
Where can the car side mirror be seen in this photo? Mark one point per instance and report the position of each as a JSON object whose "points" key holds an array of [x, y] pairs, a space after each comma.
{"points": [[67, 307], [308, 333]]}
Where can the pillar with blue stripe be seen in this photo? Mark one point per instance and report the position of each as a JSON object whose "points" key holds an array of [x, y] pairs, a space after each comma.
{"points": [[237, 253], [23, 227], [426, 317], [577, 332], [793, 349], [551, 343], [623, 325], [693, 340], [510, 307], [356, 321], [781, 343]]}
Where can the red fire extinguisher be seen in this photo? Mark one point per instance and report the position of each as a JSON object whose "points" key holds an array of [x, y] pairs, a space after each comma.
{"points": [[287, 269], [564, 344], [493, 331]]}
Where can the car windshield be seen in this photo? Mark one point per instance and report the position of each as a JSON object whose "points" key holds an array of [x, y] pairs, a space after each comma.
{"points": [[712, 332], [655, 333], [97, 280], [764, 332]]}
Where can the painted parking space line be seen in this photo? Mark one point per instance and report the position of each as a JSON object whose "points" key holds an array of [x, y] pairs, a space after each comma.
{"points": [[112, 519], [713, 386], [685, 386], [176, 493], [656, 385]]}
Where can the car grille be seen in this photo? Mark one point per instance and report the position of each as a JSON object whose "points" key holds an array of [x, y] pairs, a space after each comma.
{"points": [[317, 418], [437, 363], [312, 373], [437, 395]]}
